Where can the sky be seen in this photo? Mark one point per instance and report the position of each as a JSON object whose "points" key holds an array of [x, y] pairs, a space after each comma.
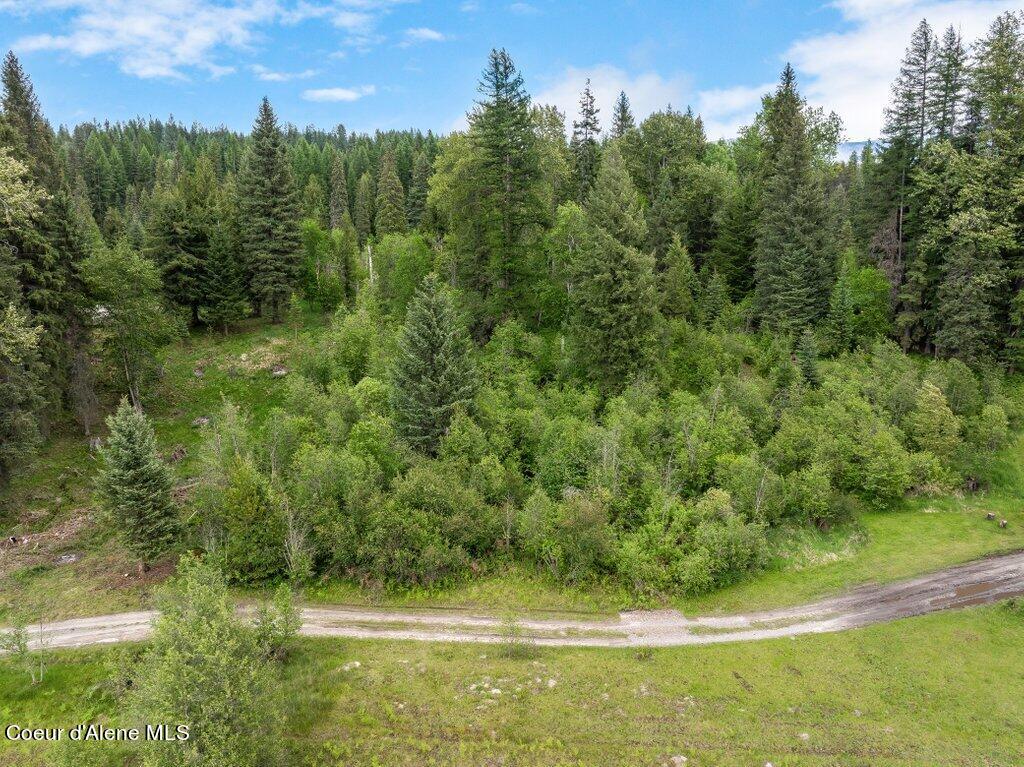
{"points": [[393, 64]]}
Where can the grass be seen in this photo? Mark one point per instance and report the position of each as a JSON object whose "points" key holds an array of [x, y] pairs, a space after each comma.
{"points": [[940, 689], [922, 535], [53, 501]]}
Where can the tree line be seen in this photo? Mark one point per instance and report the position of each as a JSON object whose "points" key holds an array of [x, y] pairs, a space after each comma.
{"points": [[624, 354]]}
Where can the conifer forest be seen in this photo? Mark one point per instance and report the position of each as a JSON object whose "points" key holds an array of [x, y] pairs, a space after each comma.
{"points": [[564, 362]]}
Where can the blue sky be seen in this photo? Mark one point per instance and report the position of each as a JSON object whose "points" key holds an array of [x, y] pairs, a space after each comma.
{"points": [[395, 64]]}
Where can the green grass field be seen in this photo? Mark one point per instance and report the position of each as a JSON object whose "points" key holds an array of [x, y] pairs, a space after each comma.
{"points": [[53, 503], [945, 689]]}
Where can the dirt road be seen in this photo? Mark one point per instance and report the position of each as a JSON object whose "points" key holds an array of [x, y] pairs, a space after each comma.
{"points": [[980, 582]]}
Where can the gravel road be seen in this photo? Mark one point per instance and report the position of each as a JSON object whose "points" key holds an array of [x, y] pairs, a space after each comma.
{"points": [[979, 582]]}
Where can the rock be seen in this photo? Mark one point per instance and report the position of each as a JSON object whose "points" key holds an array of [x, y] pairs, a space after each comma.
{"points": [[202, 420], [678, 761], [990, 516], [198, 373], [1003, 523], [67, 559], [352, 664], [804, 736], [278, 370]]}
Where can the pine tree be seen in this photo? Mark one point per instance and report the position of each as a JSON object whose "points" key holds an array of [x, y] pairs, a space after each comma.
{"points": [[224, 284], [135, 485], [947, 94], [339, 191], [614, 204], [363, 220], [434, 373], [622, 118], [21, 110], [269, 217], [679, 284], [507, 178], [839, 331], [713, 297], [98, 175], [583, 147], [416, 202], [973, 277], [807, 358], [735, 241], [390, 202], [614, 295], [794, 261]]}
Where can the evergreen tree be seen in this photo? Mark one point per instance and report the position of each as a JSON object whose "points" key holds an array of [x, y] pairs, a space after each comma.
{"points": [[794, 262], [339, 191], [390, 202], [614, 295], [135, 485], [807, 358], [968, 297], [178, 236], [583, 147], [839, 321], [416, 202], [614, 204], [22, 112], [947, 94], [507, 178], [269, 217], [98, 175], [679, 284], [622, 117], [713, 297], [434, 373], [224, 284], [736, 239], [364, 208]]}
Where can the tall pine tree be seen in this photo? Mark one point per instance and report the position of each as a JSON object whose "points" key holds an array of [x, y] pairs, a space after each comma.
{"points": [[794, 266], [434, 373], [268, 212], [583, 147], [390, 202], [622, 116]]}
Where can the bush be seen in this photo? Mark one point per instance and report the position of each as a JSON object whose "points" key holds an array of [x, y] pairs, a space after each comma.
{"points": [[691, 548], [253, 527], [206, 669], [426, 532], [572, 539]]}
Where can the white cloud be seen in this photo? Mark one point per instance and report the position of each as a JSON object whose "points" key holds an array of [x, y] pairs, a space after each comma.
{"points": [[270, 76], [647, 92], [168, 38], [852, 71], [726, 110], [152, 38], [469, 6], [339, 94], [425, 35]]}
